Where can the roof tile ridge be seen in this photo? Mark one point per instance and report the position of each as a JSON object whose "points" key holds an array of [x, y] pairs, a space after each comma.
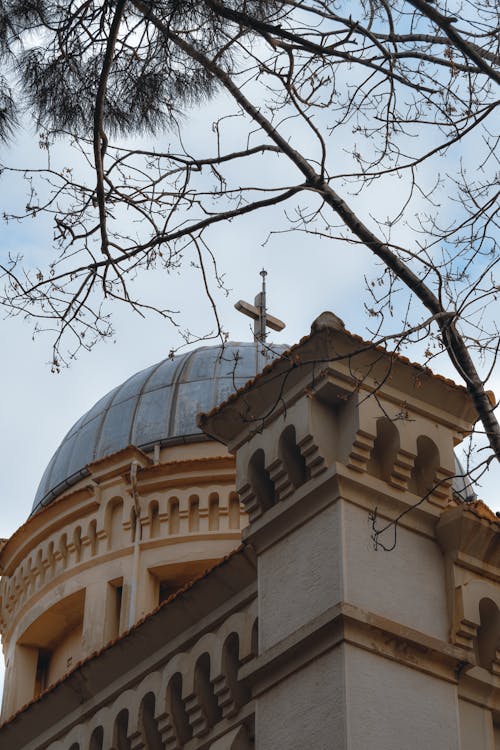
{"points": [[203, 416]]}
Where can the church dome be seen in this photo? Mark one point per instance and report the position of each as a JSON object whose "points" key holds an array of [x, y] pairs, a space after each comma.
{"points": [[156, 405]]}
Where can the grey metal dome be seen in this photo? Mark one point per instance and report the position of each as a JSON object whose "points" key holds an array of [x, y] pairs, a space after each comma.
{"points": [[157, 405], [462, 485]]}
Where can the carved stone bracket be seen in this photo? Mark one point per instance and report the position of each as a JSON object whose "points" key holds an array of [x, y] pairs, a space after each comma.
{"points": [[442, 492], [225, 698], [361, 452], [282, 484], [495, 667], [167, 732], [249, 501], [401, 472], [197, 718], [315, 462], [137, 741]]}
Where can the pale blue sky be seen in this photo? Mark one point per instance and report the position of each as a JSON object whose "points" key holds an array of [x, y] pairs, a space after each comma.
{"points": [[306, 277]]}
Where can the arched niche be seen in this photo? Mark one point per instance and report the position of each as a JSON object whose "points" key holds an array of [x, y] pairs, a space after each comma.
{"points": [[96, 739], [204, 691], [194, 513], [291, 457], [230, 666], [120, 731], [260, 481], [385, 449], [234, 511], [154, 519], [174, 705], [213, 511], [488, 634], [423, 475], [92, 535], [255, 638], [149, 725], [113, 521], [77, 542], [173, 515], [51, 646]]}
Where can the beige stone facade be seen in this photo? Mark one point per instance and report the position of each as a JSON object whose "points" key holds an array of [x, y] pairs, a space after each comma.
{"points": [[87, 568], [307, 635]]}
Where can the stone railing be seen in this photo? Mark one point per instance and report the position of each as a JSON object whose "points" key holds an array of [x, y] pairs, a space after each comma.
{"points": [[105, 526]]}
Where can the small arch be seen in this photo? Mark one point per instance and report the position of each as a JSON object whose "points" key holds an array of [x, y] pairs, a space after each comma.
{"points": [[75, 746], [260, 480], [204, 690], [42, 671], [230, 666], [40, 567], [176, 709], [213, 512], [30, 576], [77, 543], [63, 548], [255, 638], [114, 603], [149, 726], [154, 519], [423, 475], [194, 513], [120, 733], [173, 516], [234, 511], [50, 557], [488, 634], [385, 449], [96, 739], [113, 520], [92, 535], [20, 579], [292, 458]]}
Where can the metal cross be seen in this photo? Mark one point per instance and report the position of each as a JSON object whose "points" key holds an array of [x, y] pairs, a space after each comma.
{"points": [[258, 312]]}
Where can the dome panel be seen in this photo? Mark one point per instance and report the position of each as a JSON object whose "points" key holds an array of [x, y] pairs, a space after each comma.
{"points": [[85, 441], [165, 373], [45, 485], [156, 405], [62, 458], [233, 364], [227, 386], [152, 417], [96, 411], [133, 386], [192, 398], [115, 430], [202, 365]]}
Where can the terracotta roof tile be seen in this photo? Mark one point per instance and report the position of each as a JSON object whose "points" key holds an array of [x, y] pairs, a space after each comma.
{"points": [[481, 510], [478, 508], [202, 417]]}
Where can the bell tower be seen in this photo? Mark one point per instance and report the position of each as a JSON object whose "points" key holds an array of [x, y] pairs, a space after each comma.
{"points": [[344, 456]]}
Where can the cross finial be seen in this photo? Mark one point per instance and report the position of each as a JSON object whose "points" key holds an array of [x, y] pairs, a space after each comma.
{"points": [[258, 312]]}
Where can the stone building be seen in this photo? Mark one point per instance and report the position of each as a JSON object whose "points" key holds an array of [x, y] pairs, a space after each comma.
{"points": [[136, 614]]}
